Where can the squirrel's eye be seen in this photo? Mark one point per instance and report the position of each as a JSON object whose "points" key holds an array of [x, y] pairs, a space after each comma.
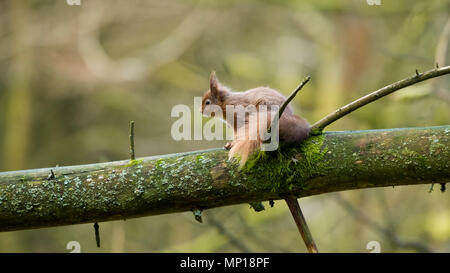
{"points": [[207, 102]]}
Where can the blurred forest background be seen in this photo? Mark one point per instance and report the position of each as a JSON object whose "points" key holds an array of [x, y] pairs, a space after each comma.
{"points": [[72, 77]]}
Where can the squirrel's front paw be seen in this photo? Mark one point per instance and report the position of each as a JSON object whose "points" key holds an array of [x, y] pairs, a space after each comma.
{"points": [[228, 146]]}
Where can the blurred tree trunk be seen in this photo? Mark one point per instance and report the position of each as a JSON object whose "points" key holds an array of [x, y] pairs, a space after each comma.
{"points": [[334, 161]]}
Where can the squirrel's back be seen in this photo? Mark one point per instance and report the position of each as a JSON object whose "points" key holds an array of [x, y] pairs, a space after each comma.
{"points": [[257, 96]]}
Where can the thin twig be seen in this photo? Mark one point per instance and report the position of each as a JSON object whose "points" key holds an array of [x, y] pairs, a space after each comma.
{"points": [[132, 154], [288, 100], [51, 175], [97, 234], [292, 95], [302, 226], [318, 127]]}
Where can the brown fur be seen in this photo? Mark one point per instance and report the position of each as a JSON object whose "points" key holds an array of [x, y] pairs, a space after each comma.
{"points": [[292, 128]]}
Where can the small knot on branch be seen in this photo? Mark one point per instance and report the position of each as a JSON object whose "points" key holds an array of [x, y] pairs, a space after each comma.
{"points": [[257, 206], [198, 215]]}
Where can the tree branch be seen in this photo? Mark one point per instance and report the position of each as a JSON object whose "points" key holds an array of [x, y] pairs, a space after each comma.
{"points": [[300, 221], [339, 113], [334, 161], [292, 96], [285, 104]]}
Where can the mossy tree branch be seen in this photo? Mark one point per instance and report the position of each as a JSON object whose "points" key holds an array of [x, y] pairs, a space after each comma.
{"points": [[333, 161]]}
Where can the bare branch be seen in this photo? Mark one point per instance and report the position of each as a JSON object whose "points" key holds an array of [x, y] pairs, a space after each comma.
{"points": [[300, 221], [318, 127], [286, 103], [292, 95]]}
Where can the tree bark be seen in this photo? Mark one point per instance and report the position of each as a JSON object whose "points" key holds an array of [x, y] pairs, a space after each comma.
{"points": [[333, 161]]}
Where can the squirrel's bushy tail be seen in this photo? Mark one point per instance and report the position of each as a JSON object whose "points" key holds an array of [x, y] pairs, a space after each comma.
{"points": [[242, 149], [247, 140]]}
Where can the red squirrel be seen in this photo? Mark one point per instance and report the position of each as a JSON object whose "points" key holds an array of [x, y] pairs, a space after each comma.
{"points": [[292, 128]]}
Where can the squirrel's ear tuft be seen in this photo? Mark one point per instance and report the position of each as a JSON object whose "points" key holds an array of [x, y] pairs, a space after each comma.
{"points": [[213, 83]]}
